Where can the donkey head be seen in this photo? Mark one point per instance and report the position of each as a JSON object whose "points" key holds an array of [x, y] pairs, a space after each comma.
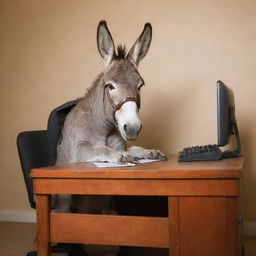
{"points": [[122, 80]]}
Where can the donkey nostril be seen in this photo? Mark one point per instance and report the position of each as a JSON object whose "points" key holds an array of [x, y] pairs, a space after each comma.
{"points": [[125, 127]]}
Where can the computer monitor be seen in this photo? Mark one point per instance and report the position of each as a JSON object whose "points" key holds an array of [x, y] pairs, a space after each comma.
{"points": [[226, 120], [226, 126]]}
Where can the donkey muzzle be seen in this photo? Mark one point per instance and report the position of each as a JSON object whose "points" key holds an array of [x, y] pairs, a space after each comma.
{"points": [[128, 121], [132, 131]]}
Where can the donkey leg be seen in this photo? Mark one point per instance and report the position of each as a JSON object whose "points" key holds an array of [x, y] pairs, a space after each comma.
{"points": [[61, 203], [141, 153], [89, 153], [116, 142]]}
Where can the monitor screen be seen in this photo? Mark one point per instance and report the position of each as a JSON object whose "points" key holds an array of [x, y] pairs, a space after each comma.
{"points": [[226, 121]]}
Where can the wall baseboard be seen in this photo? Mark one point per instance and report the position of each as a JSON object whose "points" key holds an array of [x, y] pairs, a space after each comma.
{"points": [[30, 216], [18, 215]]}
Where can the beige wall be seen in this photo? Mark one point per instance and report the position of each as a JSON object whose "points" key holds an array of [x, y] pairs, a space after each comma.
{"points": [[49, 56]]}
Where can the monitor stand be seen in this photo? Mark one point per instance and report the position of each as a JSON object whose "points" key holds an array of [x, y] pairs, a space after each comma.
{"points": [[236, 152]]}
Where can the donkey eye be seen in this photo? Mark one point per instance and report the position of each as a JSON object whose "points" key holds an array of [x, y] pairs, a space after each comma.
{"points": [[140, 86], [111, 86]]}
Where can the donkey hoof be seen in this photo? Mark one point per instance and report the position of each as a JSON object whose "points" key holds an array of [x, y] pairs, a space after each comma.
{"points": [[156, 154], [126, 158]]}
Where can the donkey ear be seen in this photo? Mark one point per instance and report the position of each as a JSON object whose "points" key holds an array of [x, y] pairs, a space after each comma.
{"points": [[105, 43], [141, 46]]}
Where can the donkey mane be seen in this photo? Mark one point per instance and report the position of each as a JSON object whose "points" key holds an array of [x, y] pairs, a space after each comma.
{"points": [[121, 52], [89, 91]]}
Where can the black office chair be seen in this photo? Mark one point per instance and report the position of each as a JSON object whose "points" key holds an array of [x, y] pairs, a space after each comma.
{"points": [[34, 151]]}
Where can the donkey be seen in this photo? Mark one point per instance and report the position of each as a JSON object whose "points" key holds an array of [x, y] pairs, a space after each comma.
{"points": [[101, 123], [97, 128]]}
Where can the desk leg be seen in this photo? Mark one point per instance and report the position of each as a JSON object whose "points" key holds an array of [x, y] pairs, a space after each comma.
{"points": [[43, 224], [173, 212]]}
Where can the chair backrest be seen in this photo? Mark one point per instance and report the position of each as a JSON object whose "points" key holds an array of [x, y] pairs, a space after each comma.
{"points": [[39, 148], [54, 127], [33, 153]]}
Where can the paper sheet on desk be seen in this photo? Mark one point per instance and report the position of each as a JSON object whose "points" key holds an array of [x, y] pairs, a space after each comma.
{"points": [[107, 165]]}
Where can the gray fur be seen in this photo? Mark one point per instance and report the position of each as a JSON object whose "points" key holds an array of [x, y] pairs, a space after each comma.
{"points": [[89, 132]]}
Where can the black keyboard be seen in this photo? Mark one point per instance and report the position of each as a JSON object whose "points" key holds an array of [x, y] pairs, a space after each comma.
{"points": [[200, 153]]}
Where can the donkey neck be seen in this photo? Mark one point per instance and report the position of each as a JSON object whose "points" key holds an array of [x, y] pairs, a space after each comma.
{"points": [[99, 110]]}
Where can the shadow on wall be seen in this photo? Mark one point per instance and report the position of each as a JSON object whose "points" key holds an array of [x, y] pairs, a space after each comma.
{"points": [[166, 114], [249, 179]]}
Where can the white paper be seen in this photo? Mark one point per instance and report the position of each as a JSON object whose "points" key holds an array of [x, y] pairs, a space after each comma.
{"points": [[144, 161], [108, 165]]}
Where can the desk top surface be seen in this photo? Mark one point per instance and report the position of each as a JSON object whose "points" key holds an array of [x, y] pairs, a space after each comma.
{"points": [[170, 169]]}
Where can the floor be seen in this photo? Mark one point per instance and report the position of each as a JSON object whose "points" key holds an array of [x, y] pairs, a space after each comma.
{"points": [[16, 239]]}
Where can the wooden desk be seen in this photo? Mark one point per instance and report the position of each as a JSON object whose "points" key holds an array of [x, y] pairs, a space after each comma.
{"points": [[202, 203]]}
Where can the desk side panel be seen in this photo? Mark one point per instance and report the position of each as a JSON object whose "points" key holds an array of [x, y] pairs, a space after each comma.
{"points": [[208, 226]]}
